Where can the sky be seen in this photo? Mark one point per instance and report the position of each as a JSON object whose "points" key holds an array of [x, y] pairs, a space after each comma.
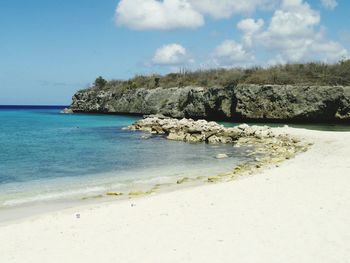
{"points": [[50, 49]]}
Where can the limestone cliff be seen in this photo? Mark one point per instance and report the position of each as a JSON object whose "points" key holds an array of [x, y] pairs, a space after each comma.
{"points": [[241, 103]]}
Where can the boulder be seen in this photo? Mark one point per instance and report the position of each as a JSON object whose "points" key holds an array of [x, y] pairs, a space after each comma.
{"points": [[195, 138], [176, 136], [221, 156], [67, 111]]}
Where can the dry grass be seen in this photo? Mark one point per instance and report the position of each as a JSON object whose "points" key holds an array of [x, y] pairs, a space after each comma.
{"points": [[293, 74]]}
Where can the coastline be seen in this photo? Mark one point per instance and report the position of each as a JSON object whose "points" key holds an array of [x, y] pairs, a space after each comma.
{"points": [[296, 212], [254, 148]]}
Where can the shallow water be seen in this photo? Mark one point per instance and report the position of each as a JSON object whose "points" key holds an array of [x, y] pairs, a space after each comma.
{"points": [[48, 156]]}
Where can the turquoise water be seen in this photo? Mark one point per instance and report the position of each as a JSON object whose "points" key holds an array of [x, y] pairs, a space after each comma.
{"points": [[48, 156]]}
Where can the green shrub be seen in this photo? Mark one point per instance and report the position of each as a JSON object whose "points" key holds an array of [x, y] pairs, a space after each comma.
{"points": [[100, 82]]}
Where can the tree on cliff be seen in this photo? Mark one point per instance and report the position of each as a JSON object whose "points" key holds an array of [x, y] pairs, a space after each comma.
{"points": [[100, 82]]}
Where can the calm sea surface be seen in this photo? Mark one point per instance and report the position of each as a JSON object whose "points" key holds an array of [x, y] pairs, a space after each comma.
{"points": [[48, 156]]}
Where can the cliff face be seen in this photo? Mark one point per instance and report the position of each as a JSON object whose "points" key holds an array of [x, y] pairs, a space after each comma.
{"points": [[175, 102], [242, 102], [293, 103]]}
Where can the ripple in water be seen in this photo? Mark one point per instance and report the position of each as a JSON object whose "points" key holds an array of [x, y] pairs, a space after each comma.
{"points": [[47, 156]]}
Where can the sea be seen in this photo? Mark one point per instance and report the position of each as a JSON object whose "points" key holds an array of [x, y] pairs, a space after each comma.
{"points": [[49, 158]]}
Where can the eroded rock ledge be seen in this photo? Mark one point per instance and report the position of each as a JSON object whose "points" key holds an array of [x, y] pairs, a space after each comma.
{"points": [[270, 148], [267, 148], [192, 131]]}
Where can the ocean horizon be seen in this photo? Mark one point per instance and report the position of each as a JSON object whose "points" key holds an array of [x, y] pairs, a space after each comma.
{"points": [[33, 106]]}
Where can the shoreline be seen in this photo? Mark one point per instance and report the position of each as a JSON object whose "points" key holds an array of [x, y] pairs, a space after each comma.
{"points": [[245, 169], [296, 212], [112, 189], [263, 149]]}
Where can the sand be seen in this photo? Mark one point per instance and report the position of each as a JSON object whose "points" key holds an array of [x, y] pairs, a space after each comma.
{"points": [[297, 212]]}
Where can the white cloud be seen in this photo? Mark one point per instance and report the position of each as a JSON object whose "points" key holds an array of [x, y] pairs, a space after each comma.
{"points": [[294, 19], [329, 50], [292, 34], [223, 8], [277, 60], [172, 54], [160, 15], [250, 27], [329, 4], [227, 8], [230, 53], [173, 14]]}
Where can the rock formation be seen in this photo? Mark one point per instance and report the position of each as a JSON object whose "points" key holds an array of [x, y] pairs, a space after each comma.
{"points": [[239, 103], [67, 111], [192, 131], [270, 148]]}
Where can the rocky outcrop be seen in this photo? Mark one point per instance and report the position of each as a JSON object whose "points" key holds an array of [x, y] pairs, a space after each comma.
{"points": [[238, 103], [270, 147], [67, 111], [192, 131]]}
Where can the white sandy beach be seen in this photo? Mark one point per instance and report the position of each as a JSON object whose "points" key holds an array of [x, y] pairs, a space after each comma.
{"points": [[298, 212]]}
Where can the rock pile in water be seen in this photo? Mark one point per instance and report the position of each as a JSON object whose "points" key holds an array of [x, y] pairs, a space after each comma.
{"points": [[192, 131], [270, 148], [265, 146]]}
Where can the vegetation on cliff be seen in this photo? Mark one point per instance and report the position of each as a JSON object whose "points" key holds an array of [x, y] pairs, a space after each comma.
{"points": [[316, 74], [299, 93]]}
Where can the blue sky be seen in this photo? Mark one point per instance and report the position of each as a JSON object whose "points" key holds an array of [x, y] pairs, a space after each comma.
{"points": [[50, 49]]}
